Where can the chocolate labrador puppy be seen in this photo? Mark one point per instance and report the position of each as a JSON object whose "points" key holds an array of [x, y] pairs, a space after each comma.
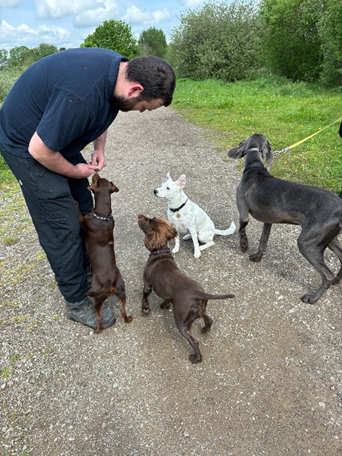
{"points": [[162, 275]]}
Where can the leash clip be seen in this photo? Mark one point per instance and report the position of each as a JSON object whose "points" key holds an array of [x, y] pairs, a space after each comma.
{"points": [[282, 151]]}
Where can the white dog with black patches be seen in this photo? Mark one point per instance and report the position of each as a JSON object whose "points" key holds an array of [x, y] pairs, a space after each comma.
{"points": [[187, 217]]}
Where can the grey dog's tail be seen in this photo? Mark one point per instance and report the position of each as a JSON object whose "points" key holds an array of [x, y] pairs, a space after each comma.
{"points": [[230, 230], [212, 296]]}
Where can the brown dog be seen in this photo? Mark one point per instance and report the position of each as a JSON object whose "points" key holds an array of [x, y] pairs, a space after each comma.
{"points": [[162, 275], [99, 226]]}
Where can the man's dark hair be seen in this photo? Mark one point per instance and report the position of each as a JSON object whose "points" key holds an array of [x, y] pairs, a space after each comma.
{"points": [[156, 75]]}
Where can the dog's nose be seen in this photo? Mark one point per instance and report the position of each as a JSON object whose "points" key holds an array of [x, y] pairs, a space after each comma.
{"points": [[155, 191]]}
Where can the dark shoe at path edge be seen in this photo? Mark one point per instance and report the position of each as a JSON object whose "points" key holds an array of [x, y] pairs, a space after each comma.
{"points": [[83, 312]]}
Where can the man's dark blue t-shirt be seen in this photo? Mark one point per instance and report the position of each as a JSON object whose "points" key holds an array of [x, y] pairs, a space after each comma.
{"points": [[66, 97]]}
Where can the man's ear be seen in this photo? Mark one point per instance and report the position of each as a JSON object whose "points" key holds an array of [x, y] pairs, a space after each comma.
{"points": [[135, 90]]}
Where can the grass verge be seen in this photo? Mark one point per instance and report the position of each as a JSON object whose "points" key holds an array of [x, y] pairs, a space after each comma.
{"points": [[285, 112]]}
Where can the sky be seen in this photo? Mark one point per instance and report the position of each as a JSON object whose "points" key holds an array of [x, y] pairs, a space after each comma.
{"points": [[66, 23]]}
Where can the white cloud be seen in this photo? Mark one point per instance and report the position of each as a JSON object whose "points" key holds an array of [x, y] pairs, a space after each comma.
{"points": [[96, 16], [27, 36], [191, 4], [86, 12], [9, 3], [161, 15], [135, 15], [55, 9]]}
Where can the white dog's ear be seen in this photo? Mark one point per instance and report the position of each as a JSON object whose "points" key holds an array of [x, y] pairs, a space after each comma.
{"points": [[168, 177], [181, 181]]}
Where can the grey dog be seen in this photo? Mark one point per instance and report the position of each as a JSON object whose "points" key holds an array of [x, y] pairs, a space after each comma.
{"points": [[271, 200]]}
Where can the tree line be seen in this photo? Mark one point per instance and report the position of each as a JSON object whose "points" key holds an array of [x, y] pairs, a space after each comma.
{"points": [[230, 40], [298, 39], [112, 34]]}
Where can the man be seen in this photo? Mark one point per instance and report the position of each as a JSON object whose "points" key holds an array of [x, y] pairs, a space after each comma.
{"points": [[58, 106]]}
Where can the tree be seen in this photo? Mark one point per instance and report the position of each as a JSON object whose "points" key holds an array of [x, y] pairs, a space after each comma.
{"points": [[45, 49], [153, 42], [219, 40], [291, 39], [21, 56], [114, 35], [3, 55], [331, 38]]}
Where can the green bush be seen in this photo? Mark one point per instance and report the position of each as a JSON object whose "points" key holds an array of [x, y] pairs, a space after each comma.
{"points": [[331, 37], [290, 39], [8, 76], [218, 40]]}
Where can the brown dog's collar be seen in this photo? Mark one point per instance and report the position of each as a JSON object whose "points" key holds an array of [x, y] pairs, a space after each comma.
{"points": [[178, 208], [158, 251], [105, 218]]}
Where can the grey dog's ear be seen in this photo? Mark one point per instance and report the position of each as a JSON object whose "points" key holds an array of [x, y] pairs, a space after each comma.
{"points": [[267, 152], [237, 152]]}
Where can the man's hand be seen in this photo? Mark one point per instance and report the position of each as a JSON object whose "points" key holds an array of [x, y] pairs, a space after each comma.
{"points": [[82, 170], [98, 160]]}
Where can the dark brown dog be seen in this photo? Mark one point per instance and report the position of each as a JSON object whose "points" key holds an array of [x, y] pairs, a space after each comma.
{"points": [[162, 275], [99, 226]]}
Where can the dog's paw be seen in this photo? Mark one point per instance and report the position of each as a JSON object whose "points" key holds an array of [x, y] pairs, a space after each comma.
{"points": [[206, 329], [309, 298], [243, 242], [165, 305], [255, 257], [197, 254], [335, 280], [175, 250], [194, 358], [145, 310]]}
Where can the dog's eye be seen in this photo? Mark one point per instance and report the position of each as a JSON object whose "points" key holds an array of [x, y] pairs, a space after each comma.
{"points": [[167, 188]]}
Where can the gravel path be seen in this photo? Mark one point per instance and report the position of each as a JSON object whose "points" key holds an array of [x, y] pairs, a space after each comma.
{"points": [[271, 378]]}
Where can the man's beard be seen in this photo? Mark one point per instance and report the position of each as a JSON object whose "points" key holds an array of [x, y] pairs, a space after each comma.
{"points": [[124, 104]]}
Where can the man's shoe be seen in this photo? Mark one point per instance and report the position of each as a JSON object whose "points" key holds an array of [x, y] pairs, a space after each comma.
{"points": [[83, 312]]}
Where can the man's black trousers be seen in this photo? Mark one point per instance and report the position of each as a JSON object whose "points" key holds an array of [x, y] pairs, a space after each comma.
{"points": [[50, 198]]}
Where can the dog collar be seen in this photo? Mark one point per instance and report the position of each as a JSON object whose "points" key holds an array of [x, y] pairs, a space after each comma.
{"points": [[178, 208], [158, 251], [254, 165], [105, 218]]}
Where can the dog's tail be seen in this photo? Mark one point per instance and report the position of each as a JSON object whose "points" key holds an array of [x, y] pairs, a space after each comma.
{"points": [[107, 290], [230, 230], [203, 295]]}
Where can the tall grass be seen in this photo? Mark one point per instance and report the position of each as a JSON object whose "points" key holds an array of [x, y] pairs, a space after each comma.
{"points": [[285, 112], [7, 79]]}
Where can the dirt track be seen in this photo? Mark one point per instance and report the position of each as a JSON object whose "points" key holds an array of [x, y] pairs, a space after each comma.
{"points": [[271, 378]]}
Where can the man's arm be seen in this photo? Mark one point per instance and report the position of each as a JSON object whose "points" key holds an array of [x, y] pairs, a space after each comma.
{"points": [[54, 161], [98, 158]]}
